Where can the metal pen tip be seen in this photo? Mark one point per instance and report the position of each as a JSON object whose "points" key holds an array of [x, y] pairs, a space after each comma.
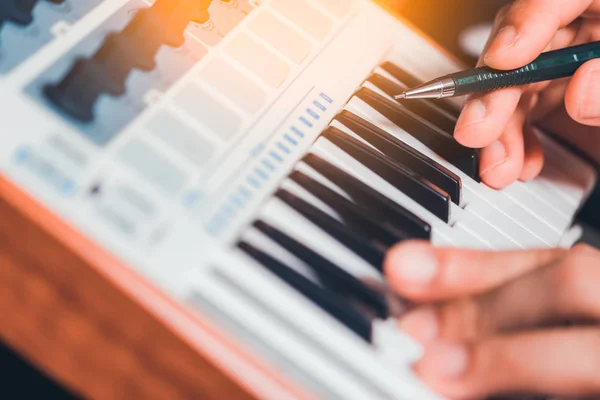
{"points": [[400, 96]]}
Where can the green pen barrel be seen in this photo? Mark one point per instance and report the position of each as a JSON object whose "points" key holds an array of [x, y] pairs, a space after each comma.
{"points": [[548, 66]]}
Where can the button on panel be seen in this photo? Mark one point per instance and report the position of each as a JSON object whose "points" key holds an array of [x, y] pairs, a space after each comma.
{"points": [[233, 84], [152, 166], [259, 60], [223, 121], [283, 38], [339, 8], [181, 138], [305, 17]]}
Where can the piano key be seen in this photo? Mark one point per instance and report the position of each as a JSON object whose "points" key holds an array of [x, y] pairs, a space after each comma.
{"points": [[332, 276], [441, 231], [256, 238], [510, 218], [544, 189], [330, 303], [282, 216], [411, 81], [415, 186], [477, 226], [417, 106], [394, 215], [334, 228], [433, 104], [467, 160], [356, 218], [403, 153], [572, 176], [519, 194]]}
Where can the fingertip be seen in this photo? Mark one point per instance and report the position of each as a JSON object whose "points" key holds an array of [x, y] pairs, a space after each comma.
{"points": [[410, 267], [485, 117], [421, 324], [444, 366], [498, 169], [533, 162], [582, 97]]}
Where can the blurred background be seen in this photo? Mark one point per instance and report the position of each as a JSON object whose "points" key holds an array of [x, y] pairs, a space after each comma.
{"points": [[461, 26]]}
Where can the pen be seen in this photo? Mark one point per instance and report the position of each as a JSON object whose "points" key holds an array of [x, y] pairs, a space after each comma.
{"points": [[548, 66]]}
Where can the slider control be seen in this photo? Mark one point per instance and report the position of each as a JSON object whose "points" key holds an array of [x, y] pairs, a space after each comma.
{"points": [[20, 11], [79, 90], [135, 47]]}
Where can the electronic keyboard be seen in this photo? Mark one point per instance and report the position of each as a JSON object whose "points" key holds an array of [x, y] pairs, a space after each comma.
{"points": [[242, 169]]}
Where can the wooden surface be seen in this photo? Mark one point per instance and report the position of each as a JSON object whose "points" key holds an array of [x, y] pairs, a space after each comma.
{"points": [[61, 314]]}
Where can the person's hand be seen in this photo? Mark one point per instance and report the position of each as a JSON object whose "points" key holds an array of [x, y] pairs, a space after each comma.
{"points": [[500, 122], [496, 323]]}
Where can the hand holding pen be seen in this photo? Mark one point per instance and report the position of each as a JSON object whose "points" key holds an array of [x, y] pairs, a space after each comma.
{"points": [[500, 121]]}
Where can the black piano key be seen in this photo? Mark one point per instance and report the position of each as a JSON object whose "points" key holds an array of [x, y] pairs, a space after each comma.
{"points": [[353, 242], [404, 154], [332, 276], [465, 159], [411, 81], [356, 217], [329, 302], [420, 107], [404, 179], [393, 215]]}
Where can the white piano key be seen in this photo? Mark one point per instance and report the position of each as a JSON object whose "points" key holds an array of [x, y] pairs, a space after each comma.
{"points": [[551, 195], [336, 156], [578, 172], [524, 223], [555, 220], [266, 244], [309, 320], [286, 219]]}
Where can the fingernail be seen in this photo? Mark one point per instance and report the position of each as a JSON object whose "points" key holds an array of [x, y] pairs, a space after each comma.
{"points": [[415, 265], [421, 324], [504, 40], [493, 156], [473, 113], [590, 101], [445, 360]]}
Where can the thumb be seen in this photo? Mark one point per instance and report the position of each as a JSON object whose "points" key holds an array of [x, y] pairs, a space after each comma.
{"points": [[582, 98]]}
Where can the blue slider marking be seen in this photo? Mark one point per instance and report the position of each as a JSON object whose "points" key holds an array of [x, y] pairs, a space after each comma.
{"points": [[228, 211], [237, 201], [261, 174], [319, 106], [290, 139], [68, 187], [268, 165], [253, 182], [283, 148], [191, 198], [245, 192], [297, 131], [22, 154], [276, 156], [312, 113], [326, 98], [306, 122]]}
